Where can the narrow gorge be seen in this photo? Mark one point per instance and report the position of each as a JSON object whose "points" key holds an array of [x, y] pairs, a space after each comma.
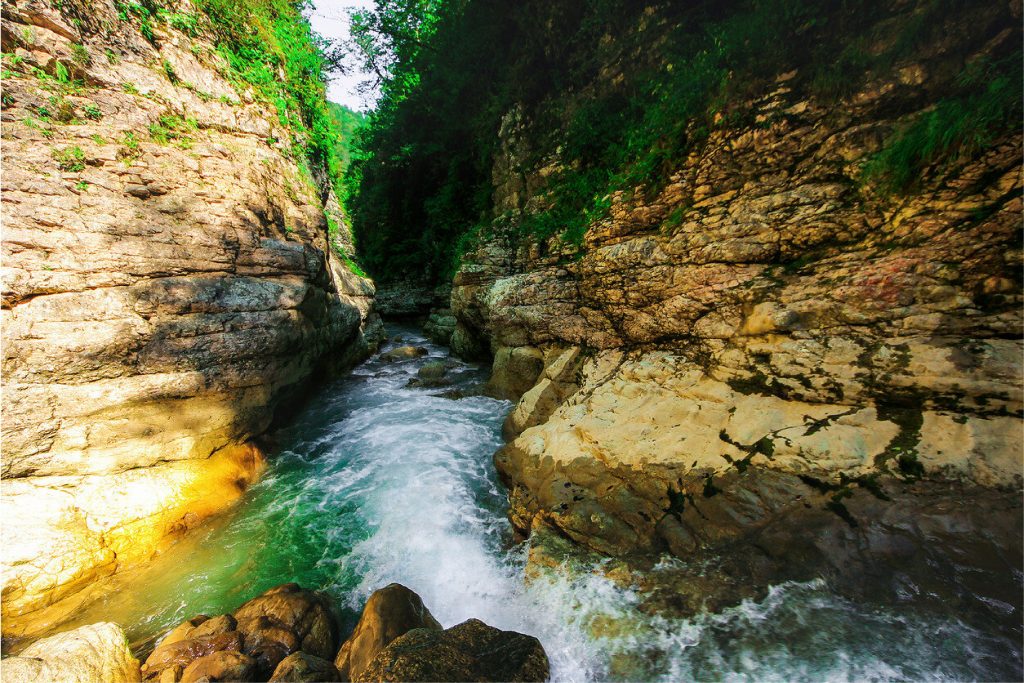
{"points": [[618, 341]]}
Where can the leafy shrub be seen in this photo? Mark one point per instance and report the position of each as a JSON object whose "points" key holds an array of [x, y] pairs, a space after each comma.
{"points": [[172, 128], [71, 159], [80, 55]]}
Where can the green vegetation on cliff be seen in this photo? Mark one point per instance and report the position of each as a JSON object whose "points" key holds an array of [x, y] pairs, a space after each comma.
{"points": [[614, 95], [270, 51]]}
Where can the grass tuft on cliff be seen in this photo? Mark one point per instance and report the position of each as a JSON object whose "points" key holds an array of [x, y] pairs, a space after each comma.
{"points": [[988, 102]]}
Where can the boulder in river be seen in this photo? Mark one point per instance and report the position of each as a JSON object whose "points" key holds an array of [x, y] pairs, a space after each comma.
{"points": [[97, 653], [389, 613], [431, 375], [220, 666], [403, 353], [249, 644], [470, 651], [303, 613]]}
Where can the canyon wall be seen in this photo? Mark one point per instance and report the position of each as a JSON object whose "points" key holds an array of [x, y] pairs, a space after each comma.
{"points": [[167, 284], [768, 356]]}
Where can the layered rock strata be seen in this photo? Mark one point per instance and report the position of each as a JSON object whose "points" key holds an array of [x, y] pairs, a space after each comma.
{"points": [[167, 283], [768, 346]]}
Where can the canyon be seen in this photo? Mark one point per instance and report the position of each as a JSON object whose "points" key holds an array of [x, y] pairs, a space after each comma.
{"points": [[765, 383]]}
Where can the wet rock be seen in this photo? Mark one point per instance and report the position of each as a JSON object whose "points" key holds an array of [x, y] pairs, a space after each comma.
{"points": [[403, 353], [434, 370], [183, 631], [220, 666], [183, 652], [288, 608], [214, 626], [390, 612], [470, 651], [514, 372], [97, 653], [251, 643], [458, 394], [304, 667], [431, 375], [268, 641]]}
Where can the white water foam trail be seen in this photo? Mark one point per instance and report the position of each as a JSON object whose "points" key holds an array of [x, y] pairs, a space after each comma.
{"points": [[418, 467]]}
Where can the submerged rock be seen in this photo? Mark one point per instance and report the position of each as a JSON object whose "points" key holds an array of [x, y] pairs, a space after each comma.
{"points": [[434, 370], [403, 353], [471, 651], [431, 375], [389, 613], [97, 653]]}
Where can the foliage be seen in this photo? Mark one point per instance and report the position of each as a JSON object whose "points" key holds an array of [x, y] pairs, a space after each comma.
{"points": [[93, 112], [70, 159], [617, 94], [988, 102], [347, 123], [173, 128]]}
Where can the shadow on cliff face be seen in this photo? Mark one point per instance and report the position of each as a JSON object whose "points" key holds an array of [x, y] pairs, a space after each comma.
{"points": [[151, 414], [951, 549]]}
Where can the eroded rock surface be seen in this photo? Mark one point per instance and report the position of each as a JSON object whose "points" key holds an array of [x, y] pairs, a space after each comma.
{"points": [[397, 639], [167, 282], [768, 348], [305, 667], [470, 651], [97, 653]]}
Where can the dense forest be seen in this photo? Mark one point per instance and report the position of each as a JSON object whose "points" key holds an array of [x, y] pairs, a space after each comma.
{"points": [[615, 93]]}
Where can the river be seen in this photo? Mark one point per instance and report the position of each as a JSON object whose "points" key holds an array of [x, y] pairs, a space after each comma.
{"points": [[375, 482]]}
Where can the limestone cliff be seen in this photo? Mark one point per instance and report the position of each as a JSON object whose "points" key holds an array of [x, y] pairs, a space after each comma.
{"points": [[768, 354], [167, 282]]}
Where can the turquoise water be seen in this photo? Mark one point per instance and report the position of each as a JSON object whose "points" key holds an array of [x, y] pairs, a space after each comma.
{"points": [[374, 482]]}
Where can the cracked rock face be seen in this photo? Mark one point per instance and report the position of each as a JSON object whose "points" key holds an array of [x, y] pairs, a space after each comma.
{"points": [[160, 295], [769, 344]]}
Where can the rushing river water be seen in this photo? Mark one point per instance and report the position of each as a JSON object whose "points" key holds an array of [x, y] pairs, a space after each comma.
{"points": [[375, 482]]}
